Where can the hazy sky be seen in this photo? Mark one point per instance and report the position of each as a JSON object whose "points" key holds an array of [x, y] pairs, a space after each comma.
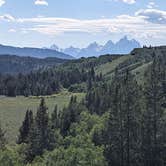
{"points": [[41, 23]]}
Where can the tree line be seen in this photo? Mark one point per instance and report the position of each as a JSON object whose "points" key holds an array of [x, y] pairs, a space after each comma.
{"points": [[43, 83]]}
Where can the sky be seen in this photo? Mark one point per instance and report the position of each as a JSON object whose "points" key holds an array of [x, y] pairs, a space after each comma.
{"points": [[41, 23]]}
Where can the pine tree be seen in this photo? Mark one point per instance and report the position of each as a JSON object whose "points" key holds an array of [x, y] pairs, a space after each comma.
{"points": [[92, 73], [25, 128], [131, 109], [124, 128], [69, 115], [2, 139], [153, 141], [55, 118], [116, 121], [39, 137]]}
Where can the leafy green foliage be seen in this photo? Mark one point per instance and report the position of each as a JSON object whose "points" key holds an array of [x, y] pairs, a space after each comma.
{"points": [[89, 155]]}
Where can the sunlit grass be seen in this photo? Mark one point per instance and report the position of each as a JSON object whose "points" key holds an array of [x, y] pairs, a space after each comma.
{"points": [[12, 110]]}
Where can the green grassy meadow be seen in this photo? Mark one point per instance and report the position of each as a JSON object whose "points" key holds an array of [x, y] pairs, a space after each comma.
{"points": [[109, 67], [12, 110]]}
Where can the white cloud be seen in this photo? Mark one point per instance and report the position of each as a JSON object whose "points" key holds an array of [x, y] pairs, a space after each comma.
{"points": [[41, 2], [12, 30], [144, 24], [136, 26], [124, 1], [129, 1], [151, 5], [7, 17], [2, 2], [153, 15]]}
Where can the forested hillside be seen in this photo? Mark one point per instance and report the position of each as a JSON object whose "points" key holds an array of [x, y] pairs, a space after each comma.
{"points": [[52, 80], [120, 122], [77, 75], [11, 64]]}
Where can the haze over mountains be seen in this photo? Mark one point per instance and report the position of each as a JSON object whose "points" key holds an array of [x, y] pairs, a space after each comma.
{"points": [[32, 52], [123, 46]]}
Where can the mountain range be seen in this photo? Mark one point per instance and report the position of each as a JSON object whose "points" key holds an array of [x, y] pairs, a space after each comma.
{"points": [[123, 46], [33, 52]]}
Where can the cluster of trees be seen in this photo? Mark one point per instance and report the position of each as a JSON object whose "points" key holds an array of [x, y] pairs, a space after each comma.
{"points": [[122, 124], [136, 128], [47, 81], [12, 64], [64, 138], [44, 82]]}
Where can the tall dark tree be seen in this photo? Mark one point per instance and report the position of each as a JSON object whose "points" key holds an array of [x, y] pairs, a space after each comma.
{"points": [[132, 117], [70, 115], [55, 118], [153, 138], [25, 128], [39, 134], [2, 139], [124, 128]]}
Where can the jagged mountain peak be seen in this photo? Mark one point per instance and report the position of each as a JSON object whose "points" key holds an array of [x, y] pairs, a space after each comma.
{"points": [[123, 46], [54, 47], [94, 44]]}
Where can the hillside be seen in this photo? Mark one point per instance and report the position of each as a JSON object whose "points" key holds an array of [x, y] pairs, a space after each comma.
{"points": [[137, 62], [11, 64], [32, 52]]}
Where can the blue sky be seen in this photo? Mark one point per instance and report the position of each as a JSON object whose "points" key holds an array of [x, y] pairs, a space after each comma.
{"points": [[39, 23]]}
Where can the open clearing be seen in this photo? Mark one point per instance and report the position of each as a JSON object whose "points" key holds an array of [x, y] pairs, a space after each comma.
{"points": [[12, 110]]}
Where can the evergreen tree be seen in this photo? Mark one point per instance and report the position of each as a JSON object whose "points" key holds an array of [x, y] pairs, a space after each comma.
{"points": [[39, 137], [92, 73], [55, 118], [2, 139], [153, 140], [124, 128], [70, 115], [25, 128]]}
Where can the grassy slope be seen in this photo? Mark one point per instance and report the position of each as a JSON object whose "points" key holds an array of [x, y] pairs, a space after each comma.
{"points": [[109, 67], [12, 110], [139, 72], [138, 68]]}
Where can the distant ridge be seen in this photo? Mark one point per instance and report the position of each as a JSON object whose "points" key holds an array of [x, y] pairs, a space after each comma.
{"points": [[12, 64], [33, 52], [123, 46]]}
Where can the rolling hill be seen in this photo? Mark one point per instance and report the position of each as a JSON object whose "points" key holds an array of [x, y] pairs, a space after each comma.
{"points": [[11, 64], [32, 52]]}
